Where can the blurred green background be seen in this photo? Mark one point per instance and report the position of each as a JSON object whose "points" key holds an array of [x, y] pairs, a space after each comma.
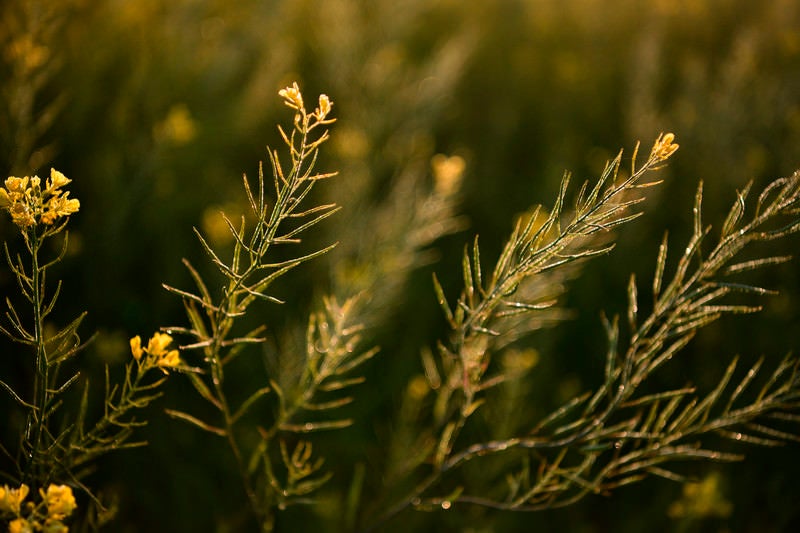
{"points": [[155, 108]]}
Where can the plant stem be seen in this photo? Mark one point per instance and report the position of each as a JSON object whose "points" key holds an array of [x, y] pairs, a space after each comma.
{"points": [[36, 415]]}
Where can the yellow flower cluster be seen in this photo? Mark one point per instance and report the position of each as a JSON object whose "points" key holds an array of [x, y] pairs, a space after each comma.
{"points": [[29, 203], [293, 98], [156, 353], [663, 148], [58, 501]]}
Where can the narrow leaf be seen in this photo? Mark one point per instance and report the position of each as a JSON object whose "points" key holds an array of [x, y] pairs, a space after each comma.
{"points": [[15, 396], [310, 427], [249, 402], [180, 415]]}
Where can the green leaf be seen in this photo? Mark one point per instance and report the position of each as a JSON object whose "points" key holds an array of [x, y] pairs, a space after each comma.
{"points": [[180, 415]]}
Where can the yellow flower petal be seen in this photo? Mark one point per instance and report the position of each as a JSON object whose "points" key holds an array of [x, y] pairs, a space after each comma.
{"points": [[292, 96], [60, 501], [136, 347], [5, 199], [57, 180], [324, 108], [158, 343], [11, 499], [20, 525], [663, 148], [170, 360], [14, 184]]}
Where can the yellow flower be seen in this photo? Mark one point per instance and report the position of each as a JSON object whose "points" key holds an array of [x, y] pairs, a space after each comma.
{"points": [[19, 525], [324, 108], [11, 499], [664, 147], [72, 205], [702, 499], [157, 352], [17, 185], [60, 501], [171, 359], [57, 180], [178, 127], [21, 215], [48, 217], [136, 347], [60, 206], [292, 97], [26, 53], [5, 199], [447, 173], [157, 346]]}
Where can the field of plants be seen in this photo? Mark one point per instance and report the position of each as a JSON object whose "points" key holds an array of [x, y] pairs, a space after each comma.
{"points": [[400, 265]]}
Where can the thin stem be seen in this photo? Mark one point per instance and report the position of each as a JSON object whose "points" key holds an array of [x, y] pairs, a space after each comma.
{"points": [[36, 416]]}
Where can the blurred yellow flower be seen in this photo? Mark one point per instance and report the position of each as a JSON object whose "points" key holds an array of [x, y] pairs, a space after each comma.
{"points": [[701, 500], [418, 388], [20, 525], [27, 54], [11, 499], [215, 229], [292, 96], [178, 127], [52, 525], [59, 500], [516, 361], [447, 173]]}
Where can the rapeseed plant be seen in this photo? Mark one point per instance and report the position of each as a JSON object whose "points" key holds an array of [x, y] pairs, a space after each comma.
{"points": [[57, 444]]}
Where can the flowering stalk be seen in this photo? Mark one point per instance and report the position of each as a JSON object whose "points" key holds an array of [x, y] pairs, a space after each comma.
{"points": [[490, 307], [112, 431], [40, 210], [248, 276]]}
